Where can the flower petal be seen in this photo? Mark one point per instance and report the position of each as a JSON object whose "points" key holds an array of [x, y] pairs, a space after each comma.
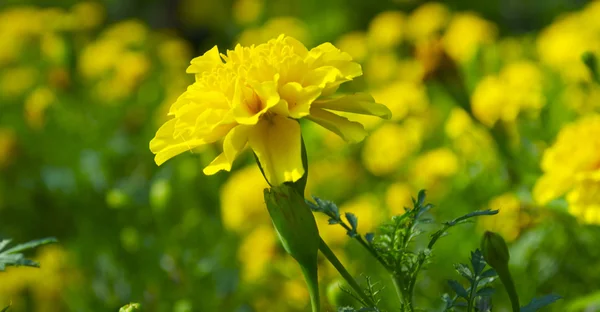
{"points": [[299, 98], [350, 131], [551, 186], [206, 62], [358, 103], [234, 143], [276, 141], [251, 103], [165, 146]]}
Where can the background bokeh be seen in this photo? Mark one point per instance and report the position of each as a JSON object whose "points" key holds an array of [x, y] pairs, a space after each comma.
{"points": [[492, 108]]}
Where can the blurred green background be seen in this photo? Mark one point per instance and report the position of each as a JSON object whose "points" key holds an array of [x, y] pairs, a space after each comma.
{"points": [[480, 92]]}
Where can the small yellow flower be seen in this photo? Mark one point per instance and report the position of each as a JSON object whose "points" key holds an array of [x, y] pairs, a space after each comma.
{"points": [[434, 166], [254, 96], [466, 32], [427, 21], [509, 220], [386, 30], [387, 147], [572, 164]]}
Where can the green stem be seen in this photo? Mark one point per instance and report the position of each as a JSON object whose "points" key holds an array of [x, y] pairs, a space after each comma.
{"points": [[331, 257], [509, 285], [312, 279], [404, 294], [472, 297]]}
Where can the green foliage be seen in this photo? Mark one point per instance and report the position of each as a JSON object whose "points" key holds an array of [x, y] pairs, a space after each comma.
{"points": [[477, 295], [130, 307], [538, 303], [392, 246], [14, 257]]}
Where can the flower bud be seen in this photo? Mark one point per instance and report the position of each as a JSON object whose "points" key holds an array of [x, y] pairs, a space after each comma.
{"points": [[494, 250]]}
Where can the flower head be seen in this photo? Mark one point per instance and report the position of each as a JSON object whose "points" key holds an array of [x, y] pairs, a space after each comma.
{"points": [[254, 95]]}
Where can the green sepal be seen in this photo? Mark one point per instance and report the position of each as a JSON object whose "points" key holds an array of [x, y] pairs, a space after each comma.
{"points": [[495, 252], [297, 230]]}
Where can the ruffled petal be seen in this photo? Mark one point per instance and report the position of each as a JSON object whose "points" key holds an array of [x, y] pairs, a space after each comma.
{"points": [[276, 141], [299, 98], [350, 131], [551, 186], [206, 62], [165, 146], [234, 143], [358, 103]]}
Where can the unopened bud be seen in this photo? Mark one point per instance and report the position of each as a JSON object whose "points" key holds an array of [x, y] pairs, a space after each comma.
{"points": [[494, 250]]}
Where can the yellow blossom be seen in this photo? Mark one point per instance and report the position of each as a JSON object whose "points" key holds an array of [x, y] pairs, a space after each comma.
{"points": [[247, 11], [355, 43], [16, 81], [35, 106], [242, 202], [387, 147], [256, 252], [88, 14], [253, 96], [403, 98], [518, 88], [399, 196], [584, 199], [561, 45], [465, 34], [427, 21], [434, 166], [569, 165], [386, 30], [509, 220]]}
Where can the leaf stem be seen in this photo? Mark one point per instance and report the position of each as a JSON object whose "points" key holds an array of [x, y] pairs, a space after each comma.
{"points": [[331, 257]]}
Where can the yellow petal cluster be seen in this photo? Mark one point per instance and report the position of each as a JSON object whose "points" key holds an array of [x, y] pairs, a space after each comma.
{"points": [[253, 96], [518, 88], [572, 166], [510, 218]]}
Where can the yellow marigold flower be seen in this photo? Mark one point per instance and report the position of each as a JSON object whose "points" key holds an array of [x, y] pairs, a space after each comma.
{"points": [[466, 32], [518, 88], [399, 196], [509, 220], [584, 199], [403, 98], [256, 252], [569, 165], [242, 201], [386, 30], [387, 147], [427, 21], [253, 96], [35, 106], [433, 166], [88, 14], [355, 43], [561, 45], [247, 11]]}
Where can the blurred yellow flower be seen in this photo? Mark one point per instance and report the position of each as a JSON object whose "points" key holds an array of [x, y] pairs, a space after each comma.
{"points": [[518, 88], [433, 166], [509, 220], [584, 199], [403, 98], [355, 43], [88, 14], [427, 21], [242, 202], [561, 44], [256, 252], [387, 29], [582, 98], [572, 164], [381, 67], [470, 141], [254, 97], [35, 106], [399, 196], [465, 34], [15, 81], [387, 147], [247, 11]]}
